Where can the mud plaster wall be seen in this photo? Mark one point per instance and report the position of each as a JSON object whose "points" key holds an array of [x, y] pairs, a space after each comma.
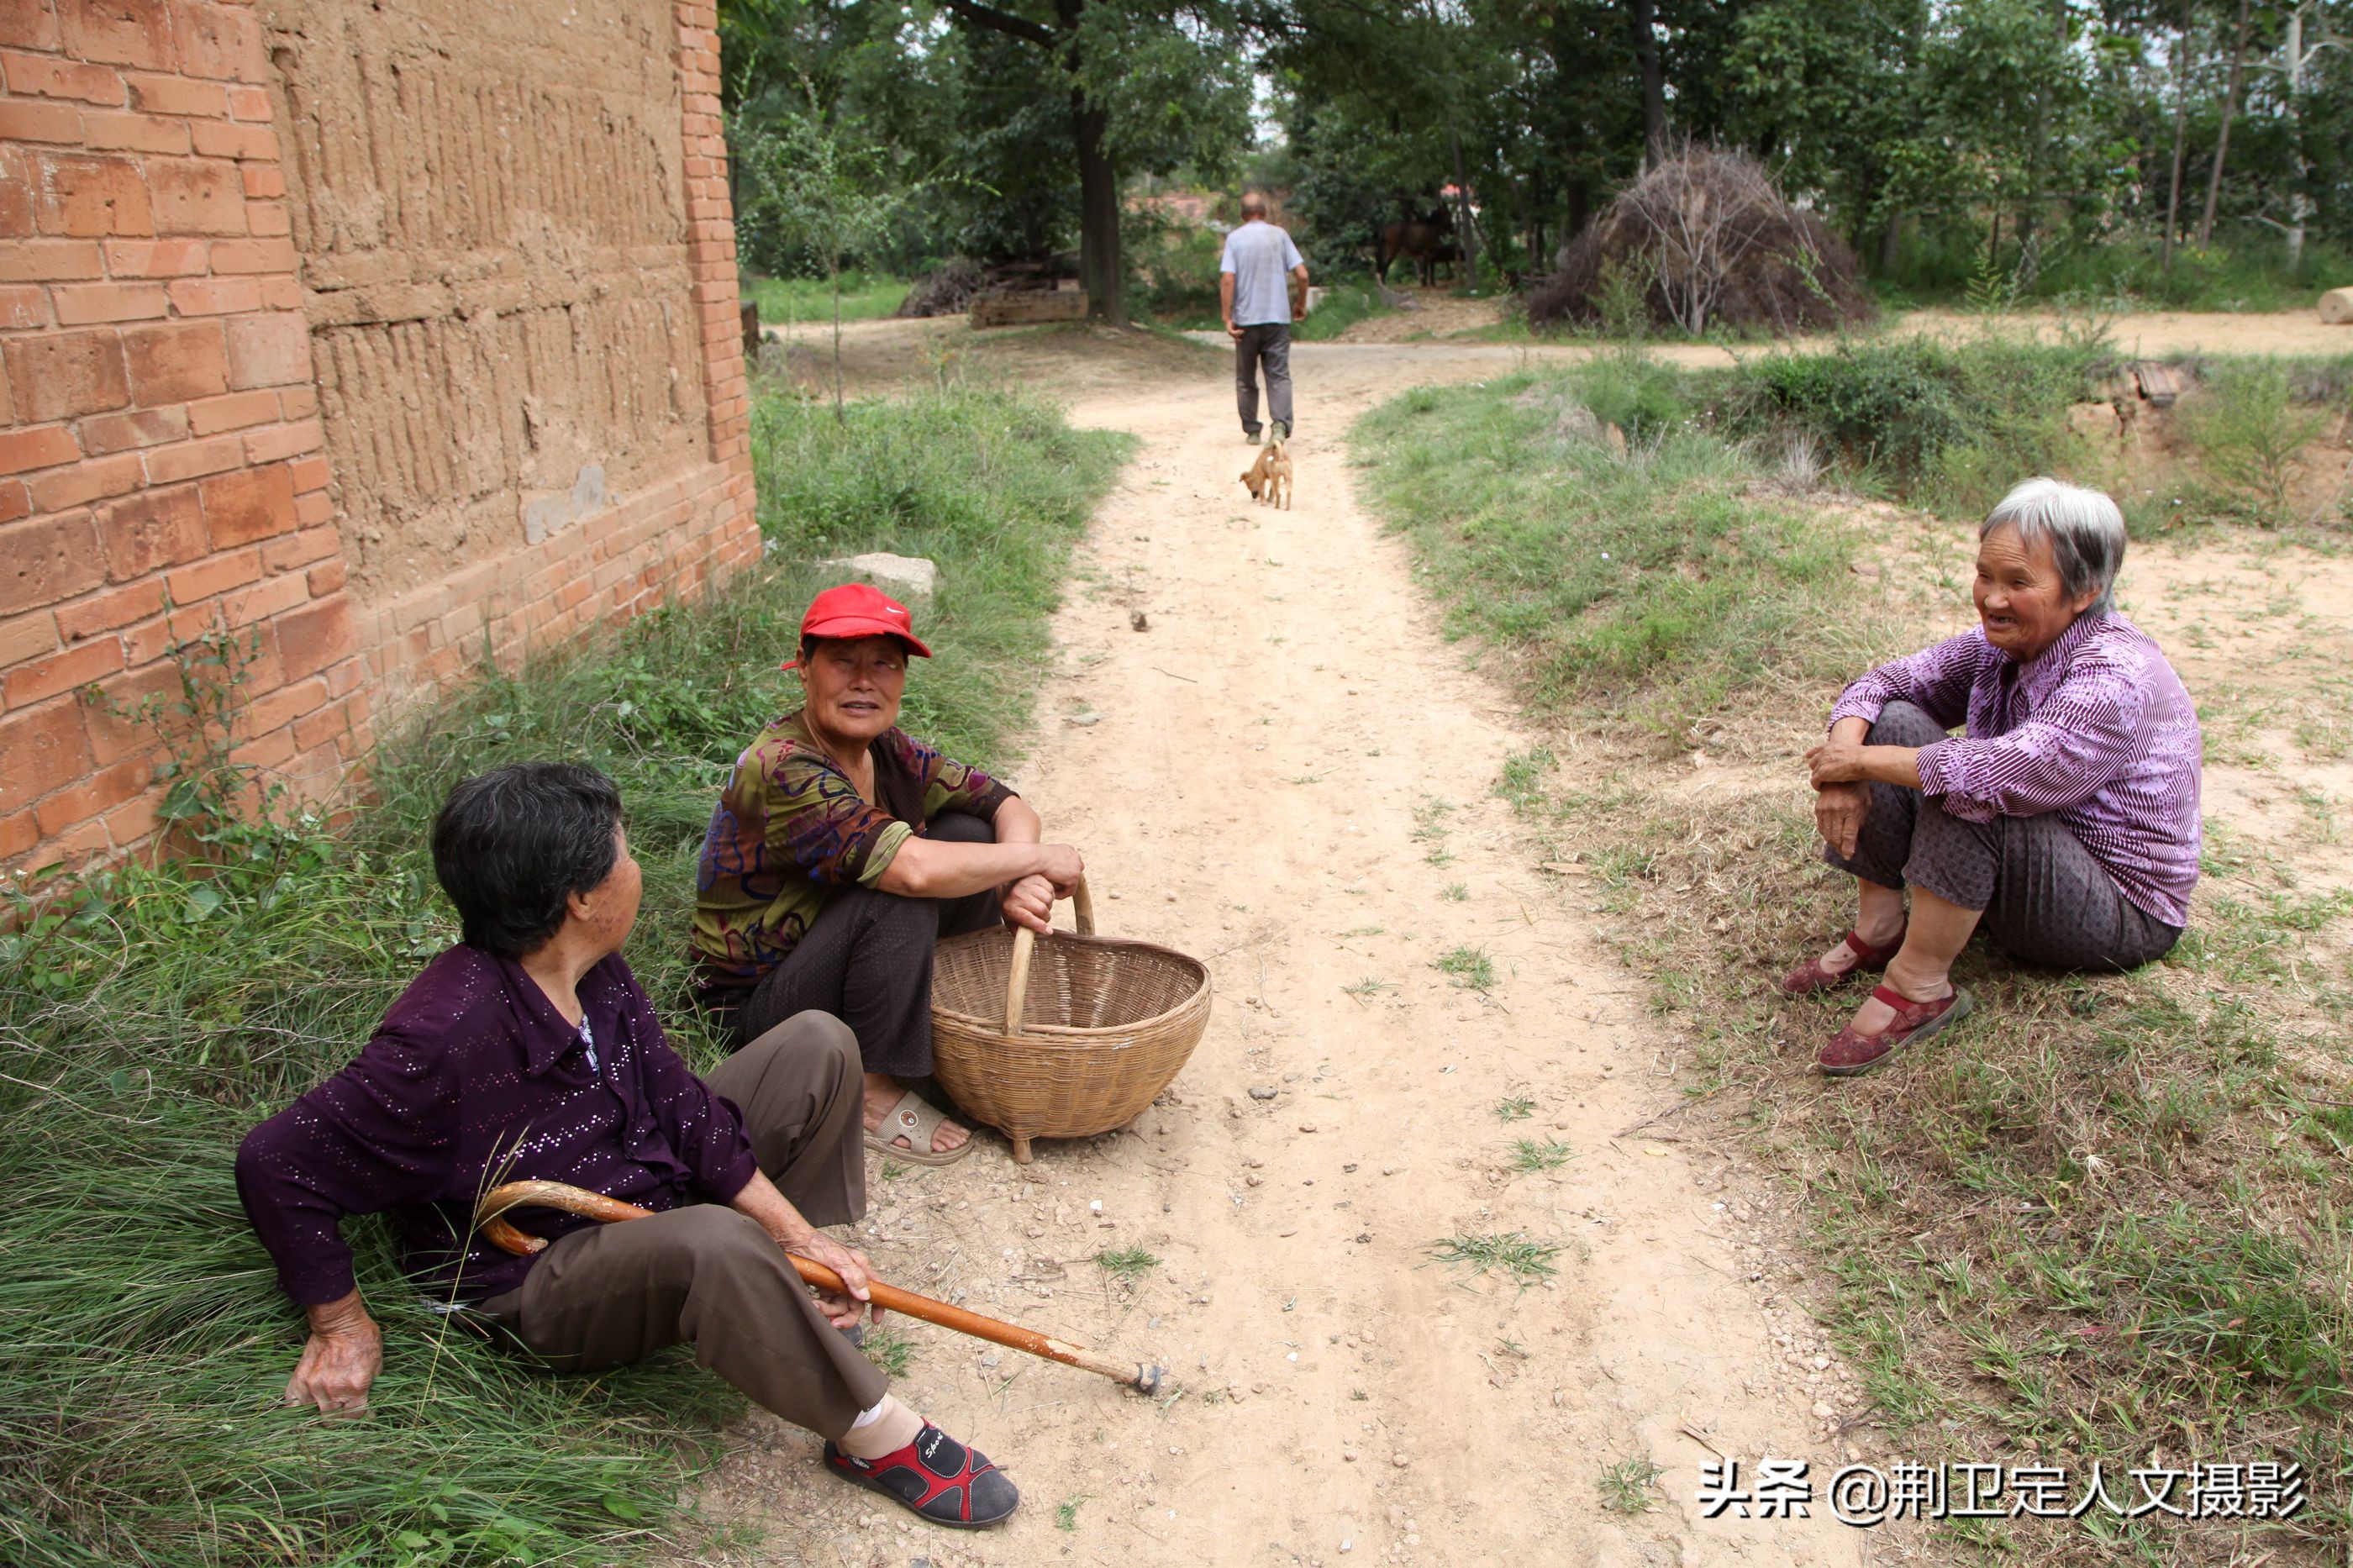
{"points": [[490, 205], [493, 399]]}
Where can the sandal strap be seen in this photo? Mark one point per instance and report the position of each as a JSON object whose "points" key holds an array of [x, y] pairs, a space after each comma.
{"points": [[1893, 998], [1866, 954]]}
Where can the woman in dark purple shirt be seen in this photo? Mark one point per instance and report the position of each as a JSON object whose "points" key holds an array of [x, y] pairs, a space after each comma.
{"points": [[2063, 822], [528, 1052]]}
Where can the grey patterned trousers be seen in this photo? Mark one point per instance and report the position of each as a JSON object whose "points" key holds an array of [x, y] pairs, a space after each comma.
{"points": [[2046, 901]]}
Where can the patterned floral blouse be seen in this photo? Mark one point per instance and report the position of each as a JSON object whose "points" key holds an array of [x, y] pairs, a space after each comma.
{"points": [[790, 831]]}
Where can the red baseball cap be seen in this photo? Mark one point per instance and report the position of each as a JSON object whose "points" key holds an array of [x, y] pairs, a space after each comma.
{"points": [[859, 610]]}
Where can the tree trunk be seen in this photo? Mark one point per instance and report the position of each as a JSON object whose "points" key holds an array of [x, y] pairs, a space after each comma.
{"points": [[1891, 244], [1579, 210], [2300, 205], [2223, 140], [1465, 227], [1101, 269], [1638, 16], [2180, 135]]}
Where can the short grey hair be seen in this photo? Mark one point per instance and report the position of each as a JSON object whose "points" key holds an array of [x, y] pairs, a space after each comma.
{"points": [[1253, 204], [2086, 529]]}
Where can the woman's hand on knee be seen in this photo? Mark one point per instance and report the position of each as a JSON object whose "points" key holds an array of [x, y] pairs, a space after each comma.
{"points": [[1840, 811]]}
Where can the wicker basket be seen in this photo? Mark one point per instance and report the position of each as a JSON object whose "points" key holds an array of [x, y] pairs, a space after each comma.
{"points": [[1061, 1036]]}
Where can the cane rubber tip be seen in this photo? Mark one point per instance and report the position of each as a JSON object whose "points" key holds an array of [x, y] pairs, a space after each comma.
{"points": [[1148, 1380]]}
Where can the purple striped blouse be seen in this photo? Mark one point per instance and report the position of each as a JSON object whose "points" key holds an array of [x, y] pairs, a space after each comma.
{"points": [[2098, 729]]}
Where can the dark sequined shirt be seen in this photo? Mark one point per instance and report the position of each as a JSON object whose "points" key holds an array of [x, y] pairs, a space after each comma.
{"points": [[474, 1079]]}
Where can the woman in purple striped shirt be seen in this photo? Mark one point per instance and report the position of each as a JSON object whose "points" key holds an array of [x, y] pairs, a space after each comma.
{"points": [[2063, 823]]}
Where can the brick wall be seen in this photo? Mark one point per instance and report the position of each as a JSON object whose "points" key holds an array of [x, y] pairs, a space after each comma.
{"points": [[165, 467]]}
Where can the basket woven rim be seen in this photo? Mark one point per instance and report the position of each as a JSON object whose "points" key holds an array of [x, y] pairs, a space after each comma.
{"points": [[1048, 1033]]}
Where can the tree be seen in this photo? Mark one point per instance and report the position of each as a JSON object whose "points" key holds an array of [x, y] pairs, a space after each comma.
{"points": [[1111, 53]]}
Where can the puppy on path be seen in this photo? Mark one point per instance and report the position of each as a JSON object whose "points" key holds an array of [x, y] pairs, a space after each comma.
{"points": [[1269, 479]]}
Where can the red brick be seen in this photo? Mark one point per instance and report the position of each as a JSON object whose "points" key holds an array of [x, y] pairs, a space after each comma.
{"points": [[60, 375], [95, 795], [21, 450], [128, 131], [249, 504], [28, 25], [253, 256], [214, 576], [176, 362], [195, 195], [298, 548], [126, 432], [42, 562], [81, 304], [22, 305], [225, 139], [234, 412], [268, 217], [316, 635], [48, 76], [170, 465], [16, 219], [40, 751], [84, 198], [298, 403], [223, 42], [214, 296], [93, 478], [19, 833], [312, 474], [136, 33], [47, 260], [17, 502], [282, 707], [143, 644], [154, 258], [176, 95], [38, 120], [314, 507], [325, 580], [274, 750], [107, 611], [264, 180], [67, 668], [314, 729], [282, 441], [153, 528], [135, 820], [270, 350], [264, 599], [280, 292], [27, 636], [250, 103]]}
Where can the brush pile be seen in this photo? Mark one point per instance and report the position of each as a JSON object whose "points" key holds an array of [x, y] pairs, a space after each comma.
{"points": [[1709, 241], [947, 291]]}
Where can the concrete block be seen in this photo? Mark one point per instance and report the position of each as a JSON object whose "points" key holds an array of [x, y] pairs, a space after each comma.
{"points": [[910, 579]]}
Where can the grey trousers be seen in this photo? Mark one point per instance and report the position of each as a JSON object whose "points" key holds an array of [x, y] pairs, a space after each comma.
{"points": [[2046, 901], [709, 1277], [867, 960], [1269, 347]]}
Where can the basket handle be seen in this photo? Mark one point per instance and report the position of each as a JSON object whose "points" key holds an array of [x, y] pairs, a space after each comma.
{"points": [[1017, 989]]}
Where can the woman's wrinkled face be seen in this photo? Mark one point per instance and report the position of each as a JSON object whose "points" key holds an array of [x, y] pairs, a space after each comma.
{"points": [[610, 908], [2020, 601], [853, 684]]}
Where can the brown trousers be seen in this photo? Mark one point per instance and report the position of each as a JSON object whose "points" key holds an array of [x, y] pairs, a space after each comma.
{"points": [[707, 1276]]}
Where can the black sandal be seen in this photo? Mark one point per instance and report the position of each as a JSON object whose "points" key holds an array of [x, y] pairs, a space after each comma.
{"points": [[936, 1477]]}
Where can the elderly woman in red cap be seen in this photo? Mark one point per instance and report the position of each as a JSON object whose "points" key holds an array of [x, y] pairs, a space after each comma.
{"points": [[842, 850]]}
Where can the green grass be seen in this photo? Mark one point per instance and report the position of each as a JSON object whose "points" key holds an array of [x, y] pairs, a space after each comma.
{"points": [[1529, 1155], [864, 297], [1128, 1264], [1066, 1512], [1467, 967], [889, 1349], [1630, 1485], [1514, 1108], [154, 1015], [2106, 1216], [1511, 1254]]}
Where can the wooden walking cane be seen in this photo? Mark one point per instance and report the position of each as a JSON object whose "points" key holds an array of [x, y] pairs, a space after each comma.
{"points": [[489, 1219]]}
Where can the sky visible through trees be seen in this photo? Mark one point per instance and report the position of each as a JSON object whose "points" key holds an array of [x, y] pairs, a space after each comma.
{"points": [[2031, 147]]}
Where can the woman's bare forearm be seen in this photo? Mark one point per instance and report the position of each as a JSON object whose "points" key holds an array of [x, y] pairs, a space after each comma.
{"points": [[934, 868]]}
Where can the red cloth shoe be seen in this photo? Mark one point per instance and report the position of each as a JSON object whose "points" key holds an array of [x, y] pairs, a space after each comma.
{"points": [[936, 1477], [1851, 1052], [1810, 976]]}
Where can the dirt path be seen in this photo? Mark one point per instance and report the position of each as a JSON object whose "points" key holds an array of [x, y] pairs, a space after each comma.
{"points": [[1274, 772]]}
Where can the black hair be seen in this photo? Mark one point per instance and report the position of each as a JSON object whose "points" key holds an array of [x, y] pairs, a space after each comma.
{"points": [[512, 844]]}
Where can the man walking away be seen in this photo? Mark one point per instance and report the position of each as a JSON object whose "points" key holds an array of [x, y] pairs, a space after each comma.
{"points": [[1259, 302]]}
